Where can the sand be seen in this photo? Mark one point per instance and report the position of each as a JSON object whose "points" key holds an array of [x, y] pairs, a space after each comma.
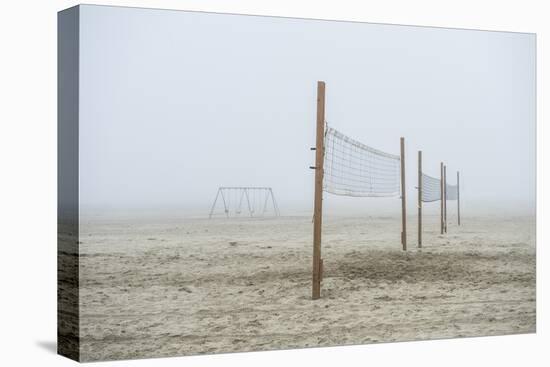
{"points": [[173, 286]]}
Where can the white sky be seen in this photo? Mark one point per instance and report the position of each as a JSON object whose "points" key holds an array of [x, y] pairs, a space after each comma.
{"points": [[174, 104]]}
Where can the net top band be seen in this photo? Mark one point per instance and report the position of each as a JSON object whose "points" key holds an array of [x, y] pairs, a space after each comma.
{"points": [[360, 145]]}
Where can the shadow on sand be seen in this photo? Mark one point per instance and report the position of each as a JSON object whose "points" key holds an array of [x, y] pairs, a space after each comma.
{"points": [[48, 345]]}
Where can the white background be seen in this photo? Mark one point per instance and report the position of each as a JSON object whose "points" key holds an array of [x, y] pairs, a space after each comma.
{"points": [[28, 181]]}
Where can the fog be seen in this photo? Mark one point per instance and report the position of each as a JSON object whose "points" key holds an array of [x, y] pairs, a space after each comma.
{"points": [[175, 104]]}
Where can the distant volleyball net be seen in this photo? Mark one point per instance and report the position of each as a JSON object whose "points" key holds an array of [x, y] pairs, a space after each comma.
{"points": [[352, 168], [431, 188], [451, 192]]}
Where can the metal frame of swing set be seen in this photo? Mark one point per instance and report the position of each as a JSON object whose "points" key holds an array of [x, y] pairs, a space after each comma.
{"points": [[244, 192]]}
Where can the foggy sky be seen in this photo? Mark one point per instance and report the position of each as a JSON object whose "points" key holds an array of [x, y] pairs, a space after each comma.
{"points": [[174, 104]]}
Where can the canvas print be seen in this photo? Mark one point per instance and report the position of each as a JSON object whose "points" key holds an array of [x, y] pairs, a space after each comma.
{"points": [[232, 183]]}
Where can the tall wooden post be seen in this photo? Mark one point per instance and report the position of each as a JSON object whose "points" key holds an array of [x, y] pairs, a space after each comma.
{"points": [[318, 204], [458, 194], [419, 199], [445, 196], [403, 198], [442, 189]]}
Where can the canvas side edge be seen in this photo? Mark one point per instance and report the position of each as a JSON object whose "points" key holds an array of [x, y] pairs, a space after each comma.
{"points": [[68, 328]]}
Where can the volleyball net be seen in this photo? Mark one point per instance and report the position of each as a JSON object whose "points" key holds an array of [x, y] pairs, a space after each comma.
{"points": [[431, 188], [451, 192], [352, 168]]}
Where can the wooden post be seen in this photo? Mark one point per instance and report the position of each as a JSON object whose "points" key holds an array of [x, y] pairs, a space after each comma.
{"points": [[403, 198], [419, 199], [442, 189], [318, 204], [445, 196], [458, 195]]}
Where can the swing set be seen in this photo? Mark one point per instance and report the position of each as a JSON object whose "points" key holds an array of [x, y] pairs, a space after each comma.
{"points": [[259, 201]]}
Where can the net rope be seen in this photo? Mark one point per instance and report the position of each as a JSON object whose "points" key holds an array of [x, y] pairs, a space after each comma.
{"points": [[431, 188], [451, 192], [352, 168]]}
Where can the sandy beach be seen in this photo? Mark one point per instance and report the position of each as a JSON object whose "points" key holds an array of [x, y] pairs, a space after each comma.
{"points": [[176, 286]]}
